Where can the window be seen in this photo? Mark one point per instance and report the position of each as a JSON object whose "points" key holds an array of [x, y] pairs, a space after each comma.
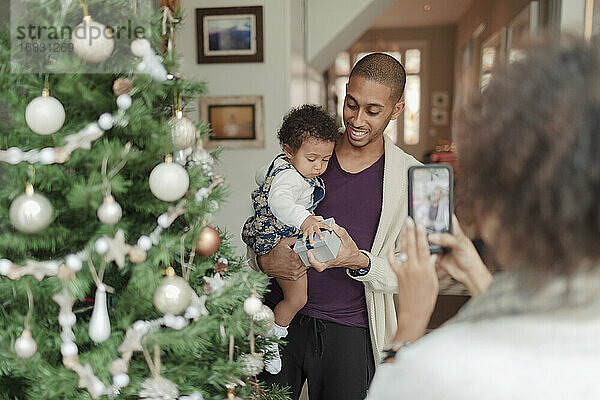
{"points": [[407, 124]]}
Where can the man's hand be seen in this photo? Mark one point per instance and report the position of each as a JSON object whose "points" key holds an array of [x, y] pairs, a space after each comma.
{"points": [[281, 262], [312, 226], [348, 256]]}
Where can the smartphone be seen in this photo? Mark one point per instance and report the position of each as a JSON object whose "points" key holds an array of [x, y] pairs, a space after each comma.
{"points": [[430, 193]]}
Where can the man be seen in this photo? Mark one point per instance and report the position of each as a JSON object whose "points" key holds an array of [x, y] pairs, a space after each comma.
{"points": [[335, 340]]}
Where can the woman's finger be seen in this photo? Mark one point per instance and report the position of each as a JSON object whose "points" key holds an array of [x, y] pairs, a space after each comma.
{"points": [[422, 245], [411, 244]]}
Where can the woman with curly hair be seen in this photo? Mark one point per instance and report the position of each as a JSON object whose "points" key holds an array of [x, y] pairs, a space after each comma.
{"points": [[289, 190], [530, 153]]}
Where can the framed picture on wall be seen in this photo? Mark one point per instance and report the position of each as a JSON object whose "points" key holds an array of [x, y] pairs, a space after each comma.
{"points": [[229, 34], [236, 122]]}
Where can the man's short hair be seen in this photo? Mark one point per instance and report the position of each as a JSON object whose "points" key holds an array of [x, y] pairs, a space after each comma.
{"points": [[384, 69]]}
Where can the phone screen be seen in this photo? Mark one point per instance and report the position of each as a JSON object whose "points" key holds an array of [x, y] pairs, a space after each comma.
{"points": [[430, 198]]}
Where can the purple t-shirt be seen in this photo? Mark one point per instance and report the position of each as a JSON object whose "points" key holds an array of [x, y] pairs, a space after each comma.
{"points": [[354, 200]]}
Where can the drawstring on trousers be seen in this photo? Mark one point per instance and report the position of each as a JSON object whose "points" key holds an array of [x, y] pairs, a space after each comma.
{"points": [[318, 327]]}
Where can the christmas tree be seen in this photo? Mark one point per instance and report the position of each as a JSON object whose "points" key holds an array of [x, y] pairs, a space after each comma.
{"points": [[113, 284]]}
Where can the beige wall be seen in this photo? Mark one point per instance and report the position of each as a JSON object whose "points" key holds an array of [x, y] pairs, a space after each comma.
{"points": [[438, 73]]}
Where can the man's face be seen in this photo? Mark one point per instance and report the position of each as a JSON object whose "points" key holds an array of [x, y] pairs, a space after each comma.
{"points": [[368, 108]]}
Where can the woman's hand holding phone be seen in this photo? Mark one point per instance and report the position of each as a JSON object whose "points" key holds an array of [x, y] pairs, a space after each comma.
{"points": [[461, 260]]}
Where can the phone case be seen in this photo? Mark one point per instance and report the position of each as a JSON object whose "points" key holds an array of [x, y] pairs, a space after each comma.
{"points": [[434, 249]]}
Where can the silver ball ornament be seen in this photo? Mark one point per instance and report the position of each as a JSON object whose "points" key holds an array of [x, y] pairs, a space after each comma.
{"points": [[45, 115], [183, 131], [265, 314], [173, 295], [92, 41], [110, 211], [25, 345], [169, 181], [31, 212]]}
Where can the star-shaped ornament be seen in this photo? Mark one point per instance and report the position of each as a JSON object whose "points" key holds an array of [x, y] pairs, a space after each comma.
{"points": [[117, 249]]}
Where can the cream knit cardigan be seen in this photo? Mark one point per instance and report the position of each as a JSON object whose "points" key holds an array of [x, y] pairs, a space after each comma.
{"points": [[380, 283]]}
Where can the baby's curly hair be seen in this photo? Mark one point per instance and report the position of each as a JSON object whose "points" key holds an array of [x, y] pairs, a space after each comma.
{"points": [[529, 149], [307, 121]]}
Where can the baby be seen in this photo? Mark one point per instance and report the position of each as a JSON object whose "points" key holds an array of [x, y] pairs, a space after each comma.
{"points": [[289, 190]]}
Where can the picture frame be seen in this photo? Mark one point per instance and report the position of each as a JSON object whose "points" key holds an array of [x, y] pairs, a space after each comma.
{"points": [[236, 121], [229, 34]]}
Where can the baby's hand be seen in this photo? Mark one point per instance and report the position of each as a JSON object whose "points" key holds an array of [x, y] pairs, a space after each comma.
{"points": [[312, 225]]}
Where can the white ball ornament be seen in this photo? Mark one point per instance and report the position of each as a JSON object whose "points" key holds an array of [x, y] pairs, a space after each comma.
{"points": [[66, 319], [30, 212], [169, 181], [15, 155], [92, 41], [163, 221], [47, 156], [106, 121], [45, 114], [252, 305], [142, 67], [74, 262], [25, 345], [173, 295], [68, 349], [5, 266], [140, 47], [121, 380], [124, 101], [101, 246], [110, 211], [145, 242]]}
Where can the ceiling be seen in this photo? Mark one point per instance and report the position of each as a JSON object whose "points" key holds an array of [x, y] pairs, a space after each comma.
{"points": [[410, 13]]}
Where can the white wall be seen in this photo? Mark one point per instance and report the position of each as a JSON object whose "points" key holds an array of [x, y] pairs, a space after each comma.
{"points": [[335, 24], [572, 16], [269, 79]]}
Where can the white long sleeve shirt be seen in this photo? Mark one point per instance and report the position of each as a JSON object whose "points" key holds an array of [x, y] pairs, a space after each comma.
{"points": [[290, 195]]}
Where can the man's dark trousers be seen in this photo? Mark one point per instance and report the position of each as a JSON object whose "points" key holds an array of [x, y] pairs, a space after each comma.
{"points": [[336, 359]]}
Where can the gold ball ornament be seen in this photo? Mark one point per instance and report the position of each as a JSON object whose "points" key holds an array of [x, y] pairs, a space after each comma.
{"points": [[137, 254], [173, 295], [92, 41], [208, 241], [122, 86]]}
